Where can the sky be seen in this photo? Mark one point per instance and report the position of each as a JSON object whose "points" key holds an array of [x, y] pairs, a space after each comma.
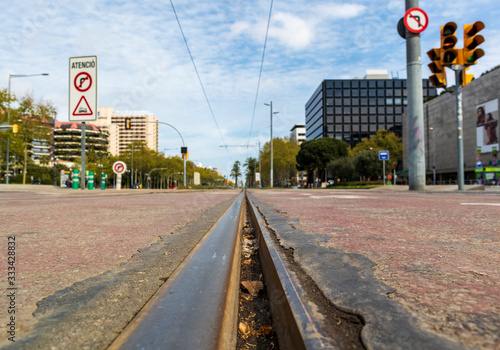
{"points": [[144, 65]]}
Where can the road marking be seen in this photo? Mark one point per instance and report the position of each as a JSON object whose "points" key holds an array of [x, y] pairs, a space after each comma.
{"points": [[492, 204]]}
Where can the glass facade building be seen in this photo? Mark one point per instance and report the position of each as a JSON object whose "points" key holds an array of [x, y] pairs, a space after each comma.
{"points": [[351, 110]]}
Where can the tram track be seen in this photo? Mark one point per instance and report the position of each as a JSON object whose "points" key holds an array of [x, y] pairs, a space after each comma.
{"points": [[197, 307]]}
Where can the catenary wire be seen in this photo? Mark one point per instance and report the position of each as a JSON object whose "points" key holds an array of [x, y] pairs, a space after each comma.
{"points": [[260, 73], [199, 78]]}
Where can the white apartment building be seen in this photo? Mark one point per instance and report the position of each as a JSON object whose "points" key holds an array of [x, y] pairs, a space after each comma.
{"points": [[145, 130], [298, 133]]}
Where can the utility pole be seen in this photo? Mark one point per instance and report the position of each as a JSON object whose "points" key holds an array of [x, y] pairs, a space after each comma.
{"points": [[270, 104], [415, 110]]}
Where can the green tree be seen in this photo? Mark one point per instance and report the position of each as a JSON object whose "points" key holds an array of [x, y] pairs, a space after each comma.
{"points": [[284, 160], [315, 155], [367, 164], [251, 165], [236, 172], [342, 168], [383, 140]]}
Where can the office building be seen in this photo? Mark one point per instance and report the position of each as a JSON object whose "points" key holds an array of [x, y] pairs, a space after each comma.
{"points": [[353, 109]]}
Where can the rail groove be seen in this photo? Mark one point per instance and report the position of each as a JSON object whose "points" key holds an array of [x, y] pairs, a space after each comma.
{"points": [[197, 307]]}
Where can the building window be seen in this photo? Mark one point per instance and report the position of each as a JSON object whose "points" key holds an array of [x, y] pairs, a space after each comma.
{"points": [[364, 102], [373, 110], [338, 128], [373, 119], [347, 101], [338, 136], [373, 127], [380, 101], [338, 102], [397, 84], [355, 128], [338, 119], [329, 101], [347, 119], [355, 101], [346, 93], [398, 110], [390, 118], [329, 119], [355, 93], [380, 93], [389, 101], [397, 93], [381, 119], [347, 84], [373, 101], [363, 84], [389, 93], [390, 110], [364, 127], [338, 84], [355, 110], [364, 110], [398, 119], [380, 83], [388, 84], [372, 93], [364, 119], [329, 110], [338, 110], [329, 93], [364, 93], [372, 84], [397, 101], [355, 119], [338, 93], [347, 128], [355, 84], [381, 110], [347, 110]]}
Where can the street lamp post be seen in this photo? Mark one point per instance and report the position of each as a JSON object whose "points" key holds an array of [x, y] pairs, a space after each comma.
{"points": [[8, 113], [270, 104], [433, 157]]}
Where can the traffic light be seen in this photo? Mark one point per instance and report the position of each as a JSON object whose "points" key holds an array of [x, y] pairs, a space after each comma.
{"points": [[465, 78], [449, 55], [439, 77], [471, 41], [15, 128], [128, 126]]}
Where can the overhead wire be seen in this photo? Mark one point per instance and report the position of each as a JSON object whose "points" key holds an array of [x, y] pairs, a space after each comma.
{"points": [[260, 73], [199, 78]]}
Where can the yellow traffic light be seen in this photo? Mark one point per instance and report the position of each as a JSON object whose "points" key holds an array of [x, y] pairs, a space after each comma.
{"points": [[466, 78], [471, 41], [439, 77], [15, 128], [449, 55], [127, 124]]}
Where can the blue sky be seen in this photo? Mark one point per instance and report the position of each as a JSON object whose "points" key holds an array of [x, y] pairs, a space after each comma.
{"points": [[144, 64]]}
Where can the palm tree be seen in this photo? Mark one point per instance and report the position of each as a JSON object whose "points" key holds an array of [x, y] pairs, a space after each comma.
{"points": [[236, 172], [251, 165]]}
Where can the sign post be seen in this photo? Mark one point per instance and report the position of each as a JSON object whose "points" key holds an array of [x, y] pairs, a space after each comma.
{"points": [[83, 95], [119, 168], [383, 156]]}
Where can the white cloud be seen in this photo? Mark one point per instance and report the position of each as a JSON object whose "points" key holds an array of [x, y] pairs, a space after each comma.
{"points": [[338, 11], [291, 31]]}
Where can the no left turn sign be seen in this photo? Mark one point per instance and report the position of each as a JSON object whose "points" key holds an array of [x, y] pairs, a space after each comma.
{"points": [[119, 167], [416, 20]]}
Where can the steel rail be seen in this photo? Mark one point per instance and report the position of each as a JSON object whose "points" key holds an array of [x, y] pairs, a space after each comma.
{"points": [[197, 308]]}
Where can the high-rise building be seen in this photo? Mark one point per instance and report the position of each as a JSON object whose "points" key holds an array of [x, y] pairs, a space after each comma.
{"points": [[298, 133], [353, 109], [68, 140], [144, 128]]}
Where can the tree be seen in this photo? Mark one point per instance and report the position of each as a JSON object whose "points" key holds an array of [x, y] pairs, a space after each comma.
{"points": [[315, 155], [383, 140], [342, 168], [251, 165], [236, 172], [367, 164], [284, 163]]}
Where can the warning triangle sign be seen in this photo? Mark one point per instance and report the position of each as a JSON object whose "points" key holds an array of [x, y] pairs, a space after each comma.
{"points": [[82, 108]]}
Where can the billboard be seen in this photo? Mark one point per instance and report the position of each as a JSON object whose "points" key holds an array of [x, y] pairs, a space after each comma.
{"points": [[487, 126]]}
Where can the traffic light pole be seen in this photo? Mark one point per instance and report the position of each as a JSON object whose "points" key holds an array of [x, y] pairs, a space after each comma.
{"points": [[415, 110], [460, 132]]}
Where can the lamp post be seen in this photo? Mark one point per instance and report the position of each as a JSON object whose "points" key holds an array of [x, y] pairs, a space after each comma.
{"points": [[8, 113], [433, 157], [270, 104]]}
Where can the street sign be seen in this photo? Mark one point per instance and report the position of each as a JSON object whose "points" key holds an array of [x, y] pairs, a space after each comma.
{"points": [[383, 155], [119, 167], [479, 164], [83, 88], [416, 20]]}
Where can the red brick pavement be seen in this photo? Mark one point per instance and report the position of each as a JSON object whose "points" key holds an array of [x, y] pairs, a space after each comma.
{"points": [[441, 252], [62, 238]]}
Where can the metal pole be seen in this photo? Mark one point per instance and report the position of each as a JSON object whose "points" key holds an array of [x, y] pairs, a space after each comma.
{"points": [[415, 110], [433, 159], [260, 169], [383, 164], [82, 173], [54, 149], [8, 137], [271, 106], [460, 132], [132, 167]]}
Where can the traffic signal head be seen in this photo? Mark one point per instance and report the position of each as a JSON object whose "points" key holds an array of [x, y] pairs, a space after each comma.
{"points": [[465, 78], [439, 77], [471, 41], [15, 128], [128, 126], [449, 55]]}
